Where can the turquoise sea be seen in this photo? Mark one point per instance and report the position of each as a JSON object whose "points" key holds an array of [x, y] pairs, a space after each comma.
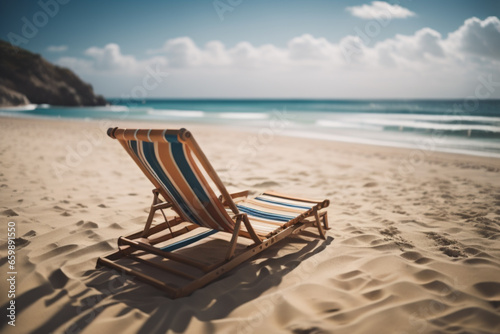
{"points": [[457, 126]]}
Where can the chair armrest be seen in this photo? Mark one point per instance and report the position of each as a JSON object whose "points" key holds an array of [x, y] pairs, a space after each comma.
{"points": [[251, 232], [243, 193], [233, 196]]}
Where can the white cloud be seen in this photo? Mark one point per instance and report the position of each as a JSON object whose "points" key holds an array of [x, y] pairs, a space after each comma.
{"points": [[216, 53], [182, 52], [114, 74], [109, 59], [380, 10], [244, 54], [57, 48], [424, 64], [423, 45], [307, 47], [481, 38], [475, 42]]}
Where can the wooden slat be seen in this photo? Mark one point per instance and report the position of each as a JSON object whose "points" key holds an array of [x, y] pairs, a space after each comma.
{"points": [[323, 203], [162, 205], [168, 235], [159, 252], [211, 172]]}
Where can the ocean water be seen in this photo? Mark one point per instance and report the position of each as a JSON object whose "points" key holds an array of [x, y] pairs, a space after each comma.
{"points": [[456, 126]]}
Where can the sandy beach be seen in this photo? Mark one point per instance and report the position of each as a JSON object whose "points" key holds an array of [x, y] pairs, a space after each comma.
{"points": [[414, 244]]}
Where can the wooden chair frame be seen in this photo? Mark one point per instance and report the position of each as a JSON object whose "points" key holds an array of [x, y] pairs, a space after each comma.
{"points": [[144, 240]]}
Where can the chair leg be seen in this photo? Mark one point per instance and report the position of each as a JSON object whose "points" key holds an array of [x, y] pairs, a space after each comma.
{"points": [[232, 243], [325, 220], [151, 214], [156, 205], [318, 225]]}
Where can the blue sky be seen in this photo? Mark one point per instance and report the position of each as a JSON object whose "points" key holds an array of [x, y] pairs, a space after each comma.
{"points": [[306, 35]]}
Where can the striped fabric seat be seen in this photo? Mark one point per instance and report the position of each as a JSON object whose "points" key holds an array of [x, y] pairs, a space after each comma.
{"points": [[269, 211], [170, 164]]}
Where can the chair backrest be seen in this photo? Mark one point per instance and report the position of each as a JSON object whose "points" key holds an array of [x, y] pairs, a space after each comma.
{"points": [[167, 158]]}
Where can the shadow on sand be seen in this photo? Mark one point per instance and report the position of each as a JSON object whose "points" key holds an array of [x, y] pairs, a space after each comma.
{"points": [[106, 288]]}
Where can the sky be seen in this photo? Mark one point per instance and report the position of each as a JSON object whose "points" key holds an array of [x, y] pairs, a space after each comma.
{"points": [[266, 48]]}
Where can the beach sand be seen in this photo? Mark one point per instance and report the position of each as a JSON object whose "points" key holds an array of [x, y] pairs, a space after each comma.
{"points": [[414, 244]]}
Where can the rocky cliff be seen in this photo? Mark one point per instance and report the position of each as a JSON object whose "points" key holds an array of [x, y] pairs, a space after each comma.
{"points": [[26, 77]]}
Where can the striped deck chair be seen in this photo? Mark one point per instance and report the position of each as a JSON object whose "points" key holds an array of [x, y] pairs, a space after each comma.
{"points": [[204, 236]]}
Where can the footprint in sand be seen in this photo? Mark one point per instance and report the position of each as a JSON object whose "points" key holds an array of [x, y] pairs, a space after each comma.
{"points": [[350, 274], [21, 243], [393, 234], [90, 224], [449, 247], [374, 295], [30, 234], [480, 261], [9, 213], [485, 227], [428, 275], [439, 287], [412, 256], [266, 184], [488, 289]]}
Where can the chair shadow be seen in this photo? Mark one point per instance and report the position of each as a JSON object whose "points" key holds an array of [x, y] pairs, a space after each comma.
{"points": [[214, 301]]}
